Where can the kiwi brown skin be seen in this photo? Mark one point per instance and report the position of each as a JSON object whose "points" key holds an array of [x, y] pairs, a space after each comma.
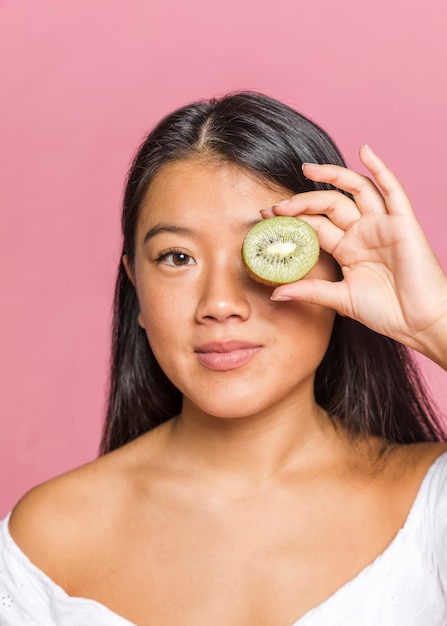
{"points": [[313, 249]]}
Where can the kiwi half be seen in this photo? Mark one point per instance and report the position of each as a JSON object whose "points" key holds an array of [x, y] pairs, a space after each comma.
{"points": [[280, 250]]}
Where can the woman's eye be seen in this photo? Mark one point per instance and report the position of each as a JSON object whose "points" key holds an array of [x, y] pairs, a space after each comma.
{"points": [[176, 259]]}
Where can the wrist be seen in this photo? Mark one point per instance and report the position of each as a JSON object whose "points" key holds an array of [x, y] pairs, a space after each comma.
{"points": [[432, 342]]}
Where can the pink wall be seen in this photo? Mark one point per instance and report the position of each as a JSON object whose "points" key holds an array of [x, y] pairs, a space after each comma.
{"points": [[82, 81]]}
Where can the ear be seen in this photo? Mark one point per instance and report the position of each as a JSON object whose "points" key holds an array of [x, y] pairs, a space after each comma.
{"points": [[131, 277], [129, 271]]}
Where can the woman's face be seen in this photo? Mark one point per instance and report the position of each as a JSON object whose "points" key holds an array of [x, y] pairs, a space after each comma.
{"points": [[219, 338]]}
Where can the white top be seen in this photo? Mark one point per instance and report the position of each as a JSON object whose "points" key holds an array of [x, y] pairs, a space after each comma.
{"points": [[405, 586]]}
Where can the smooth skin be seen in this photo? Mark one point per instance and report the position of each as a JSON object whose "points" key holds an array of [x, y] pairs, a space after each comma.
{"points": [[252, 506]]}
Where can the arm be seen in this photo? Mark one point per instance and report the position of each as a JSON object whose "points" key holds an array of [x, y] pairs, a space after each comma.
{"points": [[392, 281]]}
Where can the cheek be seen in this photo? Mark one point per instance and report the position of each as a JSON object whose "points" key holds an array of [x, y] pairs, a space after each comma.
{"points": [[165, 315], [163, 331], [307, 328], [160, 302], [161, 314]]}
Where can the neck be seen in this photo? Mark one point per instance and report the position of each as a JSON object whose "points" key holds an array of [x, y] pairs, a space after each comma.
{"points": [[250, 451]]}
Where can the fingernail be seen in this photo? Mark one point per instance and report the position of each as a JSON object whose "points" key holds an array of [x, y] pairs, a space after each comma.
{"points": [[282, 202], [280, 298], [262, 211], [365, 145], [311, 164]]}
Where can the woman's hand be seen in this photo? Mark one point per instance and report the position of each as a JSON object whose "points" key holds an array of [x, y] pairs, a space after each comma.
{"points": [[392, 281]]}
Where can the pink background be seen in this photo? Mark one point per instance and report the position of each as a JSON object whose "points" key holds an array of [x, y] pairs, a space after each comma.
{"points": [[81, 83]]}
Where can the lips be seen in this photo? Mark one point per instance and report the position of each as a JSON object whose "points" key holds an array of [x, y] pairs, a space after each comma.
{"points": [[227, 355]]}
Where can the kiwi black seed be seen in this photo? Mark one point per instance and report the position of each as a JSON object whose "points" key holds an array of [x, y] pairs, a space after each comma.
{"points": [[280, 250]]}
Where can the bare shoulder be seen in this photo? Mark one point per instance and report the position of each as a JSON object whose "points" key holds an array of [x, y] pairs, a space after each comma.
{"points": [[405, 467], [396, 470], [60, 521], [53, 517], [416, 459]]}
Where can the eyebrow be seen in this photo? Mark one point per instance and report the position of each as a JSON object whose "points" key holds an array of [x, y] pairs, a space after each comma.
{"points": [[167, 228], [183, 230]]}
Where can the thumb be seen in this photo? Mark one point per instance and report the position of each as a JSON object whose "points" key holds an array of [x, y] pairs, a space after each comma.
{"points": [[314, 291]]}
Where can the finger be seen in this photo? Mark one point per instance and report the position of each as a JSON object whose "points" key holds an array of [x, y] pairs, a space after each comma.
{"points": [[329, 235], [340, 209], [396, 199], [366, 195], [266, 213], [315, 291]]}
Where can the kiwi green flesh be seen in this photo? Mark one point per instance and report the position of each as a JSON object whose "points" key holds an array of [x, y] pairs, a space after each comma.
{"points": [[280, 250]]}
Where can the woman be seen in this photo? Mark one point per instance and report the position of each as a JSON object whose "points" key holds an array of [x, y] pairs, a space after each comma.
{"points": [[269, 459]]}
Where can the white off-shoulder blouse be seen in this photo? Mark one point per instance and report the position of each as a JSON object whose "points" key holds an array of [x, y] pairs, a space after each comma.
{"points": [[405, 586]]}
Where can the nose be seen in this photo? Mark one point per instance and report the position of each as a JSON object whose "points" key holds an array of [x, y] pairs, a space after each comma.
{"points": [[224, 293]]}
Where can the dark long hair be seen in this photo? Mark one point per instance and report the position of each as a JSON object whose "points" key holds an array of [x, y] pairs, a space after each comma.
{"points": [[366, 380]]}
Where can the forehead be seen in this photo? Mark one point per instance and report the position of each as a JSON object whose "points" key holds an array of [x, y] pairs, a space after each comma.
{"points": [[206, 189]]}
